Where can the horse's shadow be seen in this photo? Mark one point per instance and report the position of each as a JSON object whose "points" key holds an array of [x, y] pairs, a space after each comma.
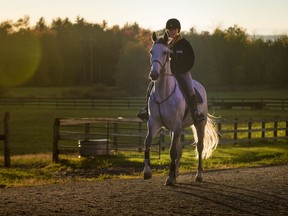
{"points": [[242, 200]]}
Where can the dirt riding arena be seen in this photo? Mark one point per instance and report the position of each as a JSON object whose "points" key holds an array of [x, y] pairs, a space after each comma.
{"points": [[244, 191]]}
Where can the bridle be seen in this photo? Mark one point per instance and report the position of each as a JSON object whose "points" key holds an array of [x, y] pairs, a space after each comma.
{"points": [[162, 73], [162, 65]]}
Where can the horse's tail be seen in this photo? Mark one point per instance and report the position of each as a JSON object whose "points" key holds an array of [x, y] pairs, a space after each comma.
{"points": [[211, 138]]}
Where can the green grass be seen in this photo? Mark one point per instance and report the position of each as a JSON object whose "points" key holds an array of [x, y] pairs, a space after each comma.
{"points": [[38, 169], [31, 146]]}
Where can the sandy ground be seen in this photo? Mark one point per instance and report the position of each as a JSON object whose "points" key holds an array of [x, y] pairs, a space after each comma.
{"points": [[244, 191]]}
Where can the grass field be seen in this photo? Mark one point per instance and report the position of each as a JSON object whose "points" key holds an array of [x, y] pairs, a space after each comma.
{"points": [[31, 129], [31, 146], [38, 169]]}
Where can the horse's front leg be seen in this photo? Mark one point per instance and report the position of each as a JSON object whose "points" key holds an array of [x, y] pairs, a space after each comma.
{"points": [[175, 155], [200, 134], [147, 172]]}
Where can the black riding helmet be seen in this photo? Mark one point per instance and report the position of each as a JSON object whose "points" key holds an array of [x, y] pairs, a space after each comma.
{"points": [[173, 24]]}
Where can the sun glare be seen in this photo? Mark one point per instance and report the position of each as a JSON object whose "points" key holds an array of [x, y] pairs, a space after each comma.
{"points": [[19, 59]]}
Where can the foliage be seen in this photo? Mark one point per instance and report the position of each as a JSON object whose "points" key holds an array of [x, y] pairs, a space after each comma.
{"points": [[19, 58], [230, 57], [129, 75], [83, 53]]}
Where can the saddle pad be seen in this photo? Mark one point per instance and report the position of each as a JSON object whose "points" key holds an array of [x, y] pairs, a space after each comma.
{"points": [[199, 98]]}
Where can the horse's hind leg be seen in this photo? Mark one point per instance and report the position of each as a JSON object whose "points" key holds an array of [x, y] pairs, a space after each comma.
{"points": [[200, 133], [175, 155]]}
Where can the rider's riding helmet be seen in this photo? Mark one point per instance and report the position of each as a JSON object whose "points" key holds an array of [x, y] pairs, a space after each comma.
{"points": [[173, 23]]}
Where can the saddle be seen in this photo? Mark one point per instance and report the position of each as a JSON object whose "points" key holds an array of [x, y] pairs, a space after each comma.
{"points": [[183, 88]]}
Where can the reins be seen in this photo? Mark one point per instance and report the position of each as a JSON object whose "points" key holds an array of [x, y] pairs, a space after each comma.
{"points": [[160, 102], [175, 86]]}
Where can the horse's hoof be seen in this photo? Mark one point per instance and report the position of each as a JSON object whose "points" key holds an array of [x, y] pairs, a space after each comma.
{"points": [[170, 181], [147, 176], [198, 179]]}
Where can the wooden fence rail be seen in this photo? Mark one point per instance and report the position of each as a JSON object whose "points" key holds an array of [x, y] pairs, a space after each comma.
{"points": [[239, 131], [128, 134], [105, 134], [126, 103], [5, 138]]}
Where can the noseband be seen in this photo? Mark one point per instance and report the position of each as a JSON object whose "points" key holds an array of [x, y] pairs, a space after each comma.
{"points": [[162, 65]]}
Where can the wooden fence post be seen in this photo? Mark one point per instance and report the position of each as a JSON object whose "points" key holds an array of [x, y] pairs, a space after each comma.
{"points": [[87, 131], [287, 127], [115, 137], [275, 129], [55, 156], [235, 129], [162, 140], [263, 129], [219, 129], [249, 129], [108, 137], [7, 159]]}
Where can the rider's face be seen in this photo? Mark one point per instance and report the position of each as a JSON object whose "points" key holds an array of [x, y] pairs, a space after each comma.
{"points": [[173, 32]]}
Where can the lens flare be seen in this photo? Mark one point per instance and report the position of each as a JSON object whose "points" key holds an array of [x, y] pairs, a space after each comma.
{"points": [[19, 58]]}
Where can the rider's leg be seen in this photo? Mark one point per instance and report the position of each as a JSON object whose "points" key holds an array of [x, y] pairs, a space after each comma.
{"points": [[196, 115], [191, 98], [143, 113]]}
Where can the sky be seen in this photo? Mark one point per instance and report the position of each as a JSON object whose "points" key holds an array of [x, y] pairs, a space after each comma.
{"points": [[264, 17]]}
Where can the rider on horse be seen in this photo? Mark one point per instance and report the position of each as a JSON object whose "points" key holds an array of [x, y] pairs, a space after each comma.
{"points": [[182, 61]]}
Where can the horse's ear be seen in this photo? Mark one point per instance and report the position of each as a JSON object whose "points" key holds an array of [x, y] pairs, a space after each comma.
{"points": [[166, 37], [154, 37]]}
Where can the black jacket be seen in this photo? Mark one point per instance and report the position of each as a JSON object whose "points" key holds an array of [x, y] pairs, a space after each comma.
{"points": [[183, 57]]}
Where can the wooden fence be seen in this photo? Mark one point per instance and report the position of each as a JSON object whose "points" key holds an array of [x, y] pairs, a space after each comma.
{"points": [[248, 103], [126, 103], [106, 135], [99, 135], [239, 131], [5, 138]]}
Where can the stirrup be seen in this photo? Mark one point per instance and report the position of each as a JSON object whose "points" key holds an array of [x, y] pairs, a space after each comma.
{"points": [[143, 114]]}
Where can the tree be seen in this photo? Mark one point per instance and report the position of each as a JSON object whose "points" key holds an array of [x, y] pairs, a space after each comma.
{"points": [[41, 25], [133, 69], [19, 58]]}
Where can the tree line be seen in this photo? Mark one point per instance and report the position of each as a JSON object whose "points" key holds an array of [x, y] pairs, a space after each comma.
{"points": [[81, 53]]}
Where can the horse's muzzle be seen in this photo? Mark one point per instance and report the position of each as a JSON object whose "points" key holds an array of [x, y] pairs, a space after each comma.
{"points": [[154, 75]]}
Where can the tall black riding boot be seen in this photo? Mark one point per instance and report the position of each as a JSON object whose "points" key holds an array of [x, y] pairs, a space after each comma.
{"points": [[195, 114], [143, 113]]}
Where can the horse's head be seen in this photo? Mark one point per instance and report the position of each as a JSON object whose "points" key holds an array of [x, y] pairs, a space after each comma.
{"points": [[159, 56]]}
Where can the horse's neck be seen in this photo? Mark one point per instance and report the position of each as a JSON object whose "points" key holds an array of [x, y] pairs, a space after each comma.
{"points": [[166, 84]]}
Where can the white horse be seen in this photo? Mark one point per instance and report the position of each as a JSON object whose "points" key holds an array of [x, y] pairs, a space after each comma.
{"points": [[167, 108]]}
